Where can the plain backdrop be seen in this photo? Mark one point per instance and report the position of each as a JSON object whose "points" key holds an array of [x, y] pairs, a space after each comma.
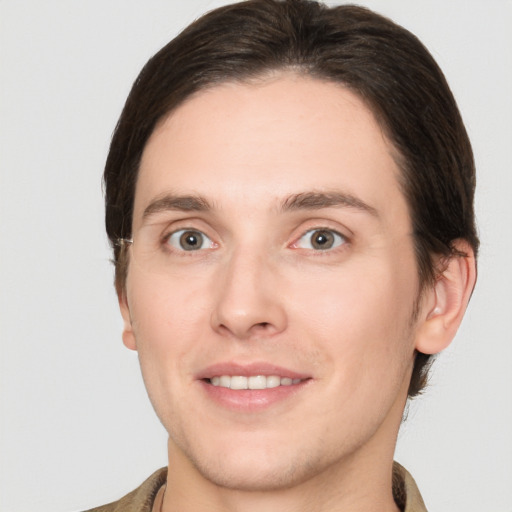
{"points": [[76, 427]]}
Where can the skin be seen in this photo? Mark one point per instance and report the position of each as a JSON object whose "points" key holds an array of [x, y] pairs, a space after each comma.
{"points": [[260, 292]]}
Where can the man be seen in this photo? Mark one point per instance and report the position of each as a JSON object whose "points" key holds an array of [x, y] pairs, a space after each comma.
{"points": [[289, 197]]}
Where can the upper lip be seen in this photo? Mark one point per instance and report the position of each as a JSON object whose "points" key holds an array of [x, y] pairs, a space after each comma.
{"points": [[246, 370]]}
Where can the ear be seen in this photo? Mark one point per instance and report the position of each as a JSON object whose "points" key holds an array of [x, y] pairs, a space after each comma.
{"points": [[445, 303], [128, 335]]}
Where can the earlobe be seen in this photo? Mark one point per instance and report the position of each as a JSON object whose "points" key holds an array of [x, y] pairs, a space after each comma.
{"points": [[128, 335], [447, 301]]}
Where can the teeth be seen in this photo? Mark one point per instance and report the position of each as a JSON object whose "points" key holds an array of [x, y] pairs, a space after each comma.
{"points": [[273, 381], [225, 381], [238, 382], [252, 382], [256, 382]]}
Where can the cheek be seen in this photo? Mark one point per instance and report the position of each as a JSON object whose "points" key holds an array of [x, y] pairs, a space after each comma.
{"points": [[168, 317], [354, 297], [360, 315]]}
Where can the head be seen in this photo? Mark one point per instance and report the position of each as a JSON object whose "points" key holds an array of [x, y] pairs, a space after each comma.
{"points": [[383, 64]]}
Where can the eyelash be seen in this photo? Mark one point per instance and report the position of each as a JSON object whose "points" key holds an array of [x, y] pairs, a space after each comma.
{"points": [[339, 241], [165, 241]]}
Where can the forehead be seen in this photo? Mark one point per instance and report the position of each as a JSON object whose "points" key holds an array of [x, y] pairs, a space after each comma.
{"points": [[259, 142]]}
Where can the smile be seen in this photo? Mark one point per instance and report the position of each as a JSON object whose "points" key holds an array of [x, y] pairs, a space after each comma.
{"points": [[240, 382]]}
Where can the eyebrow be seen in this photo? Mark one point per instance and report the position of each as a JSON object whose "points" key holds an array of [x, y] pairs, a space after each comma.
{"points": [[295, 202], [188, 203], [318, 200]]}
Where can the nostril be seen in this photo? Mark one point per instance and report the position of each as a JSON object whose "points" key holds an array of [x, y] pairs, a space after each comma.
{"points": [[262, 326]]}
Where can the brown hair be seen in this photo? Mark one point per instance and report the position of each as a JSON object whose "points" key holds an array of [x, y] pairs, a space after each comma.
{"points": [[387, 66]]}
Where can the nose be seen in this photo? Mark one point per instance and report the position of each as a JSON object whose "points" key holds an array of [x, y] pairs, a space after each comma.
{"points": [[249, 301]]}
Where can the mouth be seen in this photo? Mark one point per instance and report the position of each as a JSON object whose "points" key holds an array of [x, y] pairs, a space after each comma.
{"points": [[251, 387], [238, 382]]}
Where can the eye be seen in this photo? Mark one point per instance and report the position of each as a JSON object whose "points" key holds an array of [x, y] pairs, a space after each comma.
{"points": [[189, 240], [320, 240]]}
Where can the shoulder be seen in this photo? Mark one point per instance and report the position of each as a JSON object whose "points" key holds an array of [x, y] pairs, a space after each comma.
{"points": [[139, 500], [405, 491]]}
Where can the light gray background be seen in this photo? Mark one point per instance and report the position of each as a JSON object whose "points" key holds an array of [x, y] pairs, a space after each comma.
{"points": [[76, 427]]}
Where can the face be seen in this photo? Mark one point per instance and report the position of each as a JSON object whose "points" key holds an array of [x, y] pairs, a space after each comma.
{"points": [[272, 282]]}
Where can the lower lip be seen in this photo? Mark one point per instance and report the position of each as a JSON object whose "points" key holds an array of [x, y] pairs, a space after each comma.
{"points": [[251, 400]]}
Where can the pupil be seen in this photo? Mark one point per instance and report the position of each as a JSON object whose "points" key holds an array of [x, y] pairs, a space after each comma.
{"points": [[191, 240], [323, 240]]}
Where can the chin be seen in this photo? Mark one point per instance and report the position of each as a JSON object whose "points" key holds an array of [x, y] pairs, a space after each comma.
{"points": [[254, 466], [252, 475]]}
